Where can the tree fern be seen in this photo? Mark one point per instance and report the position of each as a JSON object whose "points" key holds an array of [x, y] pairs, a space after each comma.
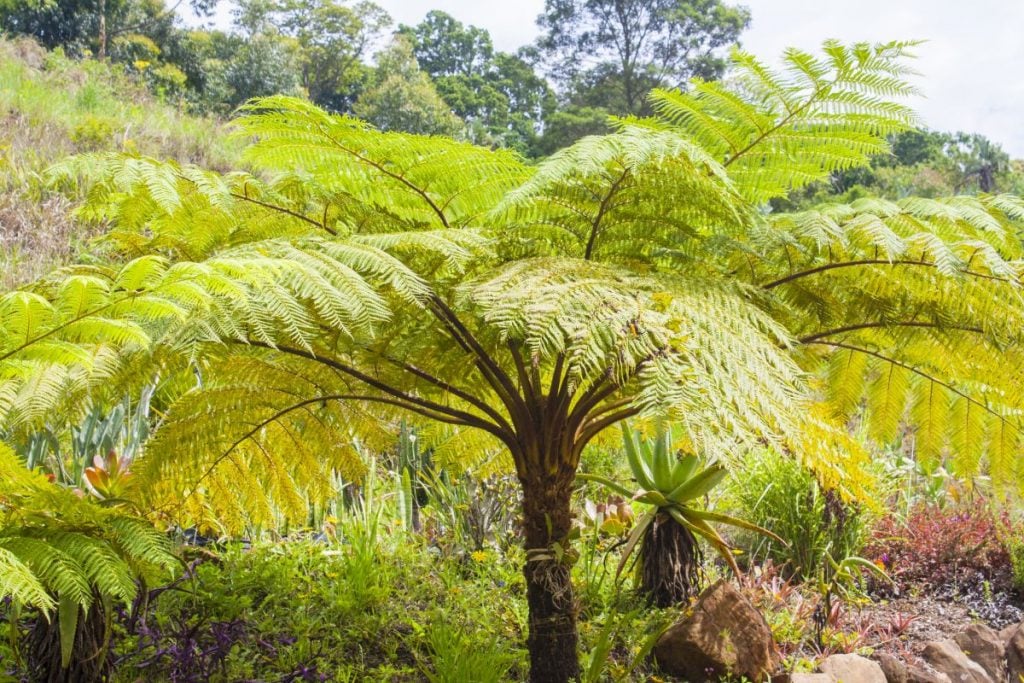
{"points": [[351, 278], [778, 131]]}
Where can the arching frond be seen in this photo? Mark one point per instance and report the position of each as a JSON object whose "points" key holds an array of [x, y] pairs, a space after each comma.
{"points": [[615, 198], [776, 131]]}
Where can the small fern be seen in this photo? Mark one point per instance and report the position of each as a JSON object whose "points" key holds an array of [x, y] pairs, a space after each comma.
{"points": [[59, 553]]}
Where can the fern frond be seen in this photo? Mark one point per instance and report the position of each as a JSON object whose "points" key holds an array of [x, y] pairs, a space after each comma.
{"points": [[778, 131]]}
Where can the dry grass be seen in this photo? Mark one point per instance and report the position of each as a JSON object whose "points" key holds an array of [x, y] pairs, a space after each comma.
{"points": [[51, 107]]}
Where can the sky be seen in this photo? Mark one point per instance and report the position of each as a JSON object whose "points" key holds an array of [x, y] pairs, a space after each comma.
{"points": [[972, 64]]}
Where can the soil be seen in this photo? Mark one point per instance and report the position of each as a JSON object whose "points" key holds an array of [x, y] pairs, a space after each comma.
{"points": [[899, 619], [903, 624]]}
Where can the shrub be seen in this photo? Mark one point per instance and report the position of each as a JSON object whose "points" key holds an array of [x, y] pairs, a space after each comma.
{"points": [[779, 494], [941, 548], [93, 133], [307, 611]]}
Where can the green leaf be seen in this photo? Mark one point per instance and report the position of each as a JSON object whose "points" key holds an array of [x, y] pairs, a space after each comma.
{"points": [[67, 625]]}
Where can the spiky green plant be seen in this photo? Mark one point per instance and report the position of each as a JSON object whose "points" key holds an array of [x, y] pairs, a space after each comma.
{"points": [[352, 277], [673, 485]]}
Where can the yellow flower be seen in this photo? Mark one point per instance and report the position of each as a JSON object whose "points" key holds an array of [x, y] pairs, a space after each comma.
{"points": [[478, 556], [141, 64]]}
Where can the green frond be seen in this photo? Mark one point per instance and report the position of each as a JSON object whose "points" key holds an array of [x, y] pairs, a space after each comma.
{"points": [[614, 198], [20, 583], [56, 545], [697, 350], [425, 181], [776, 131]]}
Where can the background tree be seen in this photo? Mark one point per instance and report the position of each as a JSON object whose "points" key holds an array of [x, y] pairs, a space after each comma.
{"points": [[922, 163], [498, 95], [332, 37], [79, 25], [265, 64], [356, 276], [401, 97], [568, 124], [611, 53], [977, 160]]}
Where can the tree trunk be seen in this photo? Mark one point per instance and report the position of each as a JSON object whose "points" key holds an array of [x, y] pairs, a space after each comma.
{"points": [[91, 659], [102, 39], [547, 520]]}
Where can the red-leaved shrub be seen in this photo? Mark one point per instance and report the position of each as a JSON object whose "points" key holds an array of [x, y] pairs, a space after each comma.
{"points": [[942, 547]]}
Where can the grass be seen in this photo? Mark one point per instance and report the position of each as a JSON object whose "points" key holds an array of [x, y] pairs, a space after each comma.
{"points": [[51, 107]]}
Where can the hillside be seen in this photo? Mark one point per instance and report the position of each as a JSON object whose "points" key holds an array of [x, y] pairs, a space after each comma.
{"points": [[53, 107]]}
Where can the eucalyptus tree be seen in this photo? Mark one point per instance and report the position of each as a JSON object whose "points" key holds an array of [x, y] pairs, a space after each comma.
{"points": [[610, 53], [352, 276]]}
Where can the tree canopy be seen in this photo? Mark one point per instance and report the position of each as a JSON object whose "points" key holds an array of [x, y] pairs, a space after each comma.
{"points": [[402, 98], [610, 53], [499, 95]]}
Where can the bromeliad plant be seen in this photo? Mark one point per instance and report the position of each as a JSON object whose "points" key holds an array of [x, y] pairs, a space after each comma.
{"points": [[673, 485]]}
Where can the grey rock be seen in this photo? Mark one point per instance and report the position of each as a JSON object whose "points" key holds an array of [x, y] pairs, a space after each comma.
{"points": [[894, 669], [926, 674], [1007, 633], [1015, 655], [984, 646]]}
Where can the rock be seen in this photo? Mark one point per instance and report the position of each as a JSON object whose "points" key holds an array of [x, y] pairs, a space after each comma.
{"points": [[894, 669], [802, 678], [724, 635], [947, 657], [1015, 655], [1007, 633], [984, 646], [852, 669], [922, 674]]}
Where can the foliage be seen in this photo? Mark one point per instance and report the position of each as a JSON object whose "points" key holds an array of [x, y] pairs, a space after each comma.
{"points": [[298, 609], [84, 25], [942, 547], [98, 452], [331, 37], [402, 98], [1015, 551], [922, 163], [777, 493], [374, 605], [609, 54], [570, 123], [63, 556], [56, 107], [263, 65], [471, 514], [498, 95]]}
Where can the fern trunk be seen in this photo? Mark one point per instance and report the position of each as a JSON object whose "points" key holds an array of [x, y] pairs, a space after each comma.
{"points": [[547, 520]]}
